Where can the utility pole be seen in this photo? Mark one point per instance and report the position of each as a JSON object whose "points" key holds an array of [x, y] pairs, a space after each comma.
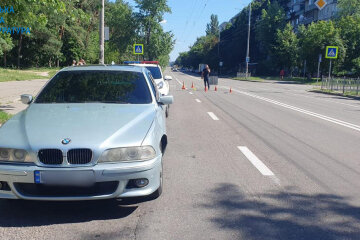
{"points": [[248, 45], [102, 35]]}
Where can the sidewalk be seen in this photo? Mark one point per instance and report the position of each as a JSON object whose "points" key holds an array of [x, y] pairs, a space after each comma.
{"points": [[10, 94]]}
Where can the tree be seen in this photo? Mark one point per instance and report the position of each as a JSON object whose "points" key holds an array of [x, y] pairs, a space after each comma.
{"points": [[349, 28], [287, 48], [349, 8], [212, 28], [272, 19], [6, 45], [122, 36], [150, 14], [31, 13], [313, 41]]}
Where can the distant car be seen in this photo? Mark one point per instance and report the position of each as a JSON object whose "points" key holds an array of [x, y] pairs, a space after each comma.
{"points": [[93, 132], [162, 81]]}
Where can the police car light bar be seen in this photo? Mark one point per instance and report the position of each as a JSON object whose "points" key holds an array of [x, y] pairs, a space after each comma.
{"points": [[141, 62], [150, 62]]}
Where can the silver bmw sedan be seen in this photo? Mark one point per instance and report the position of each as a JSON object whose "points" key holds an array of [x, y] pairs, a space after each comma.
{"points": [[93, 132]]}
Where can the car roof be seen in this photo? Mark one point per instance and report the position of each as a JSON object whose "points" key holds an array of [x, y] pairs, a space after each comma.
{"points": [[144, 65], [126, 68]]}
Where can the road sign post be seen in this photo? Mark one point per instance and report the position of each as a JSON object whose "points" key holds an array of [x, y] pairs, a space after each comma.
{"points": [[331, 53], [318, 72], [138, 50]]}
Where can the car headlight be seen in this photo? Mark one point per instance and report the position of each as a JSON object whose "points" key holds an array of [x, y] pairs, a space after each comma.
{"points": [[14, 155], [160, 85], [128, 154]]}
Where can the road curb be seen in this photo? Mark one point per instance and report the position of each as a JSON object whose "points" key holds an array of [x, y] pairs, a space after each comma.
{"points": [[335, 94]]}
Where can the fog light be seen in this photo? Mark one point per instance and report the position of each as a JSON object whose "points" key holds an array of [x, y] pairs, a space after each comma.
{"points": [[142, 182]]}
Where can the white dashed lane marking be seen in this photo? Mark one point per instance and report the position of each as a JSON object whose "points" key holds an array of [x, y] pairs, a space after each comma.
{"points": [[213, 116], [198, 100], [263, 169]]}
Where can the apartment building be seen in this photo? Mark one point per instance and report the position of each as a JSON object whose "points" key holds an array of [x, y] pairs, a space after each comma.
{"points": [[306, 12]]}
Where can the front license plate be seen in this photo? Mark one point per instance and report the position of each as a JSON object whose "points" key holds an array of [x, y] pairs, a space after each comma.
{"points": [[65, 178]]}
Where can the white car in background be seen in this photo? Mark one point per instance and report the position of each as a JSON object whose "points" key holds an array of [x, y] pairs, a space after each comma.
{"points": [[156, 72]]}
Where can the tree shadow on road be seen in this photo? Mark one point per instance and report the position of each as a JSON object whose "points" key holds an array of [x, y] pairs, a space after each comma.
{"points": [[284, 215], [19, 213]]}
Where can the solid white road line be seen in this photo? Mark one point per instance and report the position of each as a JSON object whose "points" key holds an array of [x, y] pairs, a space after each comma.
{"points": [[255, 161], [213, 116], [196, 78], [178, 80], [313, 114], [314, 97], [198, 100]]}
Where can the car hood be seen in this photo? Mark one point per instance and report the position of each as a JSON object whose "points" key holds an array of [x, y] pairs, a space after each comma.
{"points": [[99, 126]]}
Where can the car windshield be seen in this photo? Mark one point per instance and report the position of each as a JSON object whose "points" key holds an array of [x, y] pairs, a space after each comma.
{"points": [[96, 86], [155, 72]]}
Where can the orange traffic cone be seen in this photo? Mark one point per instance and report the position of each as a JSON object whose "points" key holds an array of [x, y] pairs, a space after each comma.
{"points": [[215, 88], [205, 89], [192, 85], [230, 90], [183, 87]]}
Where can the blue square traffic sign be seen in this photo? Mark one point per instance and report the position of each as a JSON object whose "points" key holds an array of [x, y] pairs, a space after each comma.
{"points": [[332, 52], [138, 49]]}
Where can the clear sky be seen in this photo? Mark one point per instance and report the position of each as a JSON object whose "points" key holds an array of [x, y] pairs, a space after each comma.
{"points": [[189, 18]]}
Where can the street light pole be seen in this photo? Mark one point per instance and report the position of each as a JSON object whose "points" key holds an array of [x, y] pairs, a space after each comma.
{"points": [[248, 45], [101, 33]]}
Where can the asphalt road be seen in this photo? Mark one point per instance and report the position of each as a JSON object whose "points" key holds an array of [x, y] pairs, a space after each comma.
{"points": [[267, 161]]}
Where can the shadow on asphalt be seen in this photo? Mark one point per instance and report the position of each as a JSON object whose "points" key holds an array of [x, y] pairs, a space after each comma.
{"points": [[19, 213], [284, 215]]}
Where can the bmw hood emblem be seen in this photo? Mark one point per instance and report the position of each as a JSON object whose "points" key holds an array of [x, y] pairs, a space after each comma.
{"points": [[66, 141]]}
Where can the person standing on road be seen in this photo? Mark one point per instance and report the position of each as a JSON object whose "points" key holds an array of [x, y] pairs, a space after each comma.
{"points": [[282, 74], [206, 75]]}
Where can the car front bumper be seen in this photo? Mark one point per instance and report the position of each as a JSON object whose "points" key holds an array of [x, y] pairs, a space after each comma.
{"points": [[107, 181]]}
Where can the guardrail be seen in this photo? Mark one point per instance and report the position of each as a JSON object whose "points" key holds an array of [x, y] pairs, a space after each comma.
{"points": [[344, 85]]}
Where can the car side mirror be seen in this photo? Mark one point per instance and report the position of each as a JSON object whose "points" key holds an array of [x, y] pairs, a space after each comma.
{"points": [[168, 78], [166, 100], [26, 98]]}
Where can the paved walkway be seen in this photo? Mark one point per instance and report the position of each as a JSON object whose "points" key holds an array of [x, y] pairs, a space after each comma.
{"points": [[10, 94]]}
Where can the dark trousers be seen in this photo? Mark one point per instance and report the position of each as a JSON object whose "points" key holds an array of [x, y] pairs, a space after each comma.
{"points": [[206, 81]]}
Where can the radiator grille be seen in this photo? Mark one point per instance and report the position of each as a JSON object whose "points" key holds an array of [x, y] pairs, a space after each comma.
{"points": [[79, 156], [50, 156]]}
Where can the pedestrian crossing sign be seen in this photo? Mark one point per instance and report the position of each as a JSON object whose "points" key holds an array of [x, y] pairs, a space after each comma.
{"points": [[332, 52], [138, 49]]}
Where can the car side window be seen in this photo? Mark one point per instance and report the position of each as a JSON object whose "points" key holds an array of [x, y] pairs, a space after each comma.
{"points": [[153, 85]]}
